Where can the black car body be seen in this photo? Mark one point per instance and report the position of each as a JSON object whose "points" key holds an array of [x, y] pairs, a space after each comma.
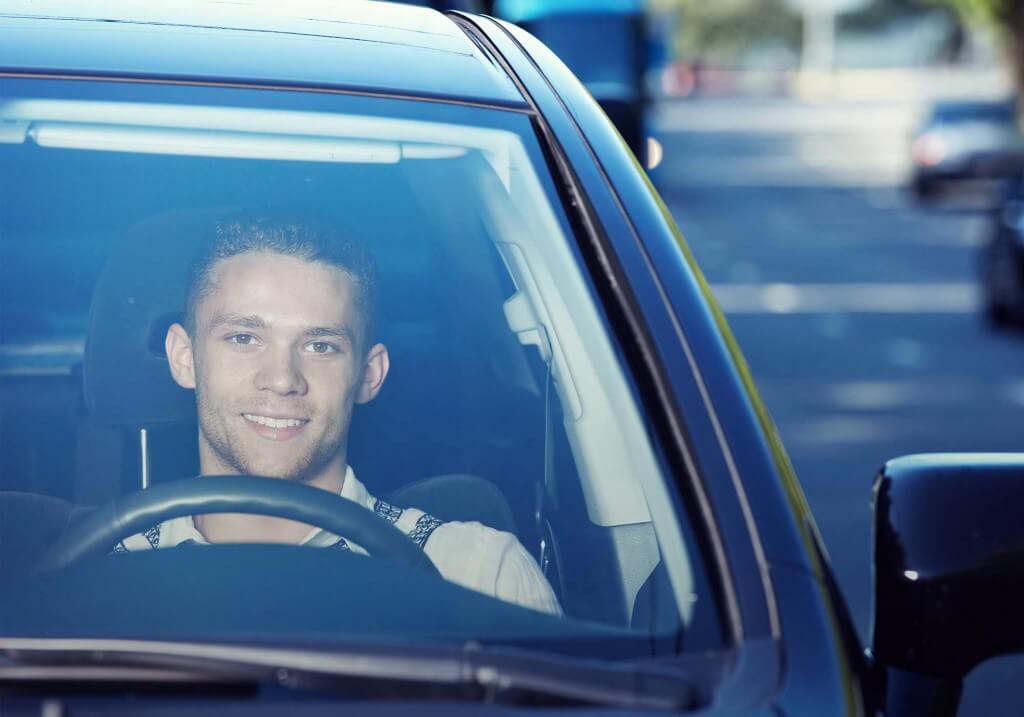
{"points": [[1002, 260], [778, 641]]}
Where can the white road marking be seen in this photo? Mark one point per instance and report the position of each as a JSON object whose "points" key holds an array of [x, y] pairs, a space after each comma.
{"points": [[881, 298], [842, 144], [786, 117], [826, 430], [873, 396]]}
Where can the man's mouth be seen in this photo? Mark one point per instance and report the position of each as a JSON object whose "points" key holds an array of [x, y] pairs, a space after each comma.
{"points": [[276, 428], [274, 422]]}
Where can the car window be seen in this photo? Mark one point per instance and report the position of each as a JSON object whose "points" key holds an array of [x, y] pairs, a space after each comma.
{"points": [[1002, 111], [503, 367]]}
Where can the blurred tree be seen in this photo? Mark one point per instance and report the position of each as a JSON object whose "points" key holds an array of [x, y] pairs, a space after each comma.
{"points": [[723, 30], [1007, 18], [882, 12]]}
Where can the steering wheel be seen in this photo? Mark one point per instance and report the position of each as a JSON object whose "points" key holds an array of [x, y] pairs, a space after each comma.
{"points": [[133, 513]]}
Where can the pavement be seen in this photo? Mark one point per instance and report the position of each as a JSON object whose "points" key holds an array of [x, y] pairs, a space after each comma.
{"points": [[857, 309]]}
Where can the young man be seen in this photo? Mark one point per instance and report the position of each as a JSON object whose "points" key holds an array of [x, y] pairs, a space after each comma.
{"points": [[278, 344]]}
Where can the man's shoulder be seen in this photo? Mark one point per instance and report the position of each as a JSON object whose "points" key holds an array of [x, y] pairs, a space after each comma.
{"points": [[421, 526], [418, 525], [491, 561], [472, 542], [477, 531]]}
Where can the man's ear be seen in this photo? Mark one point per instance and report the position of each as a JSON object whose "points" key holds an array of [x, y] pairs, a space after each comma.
{"points": [[180, 356], [375, 370]]}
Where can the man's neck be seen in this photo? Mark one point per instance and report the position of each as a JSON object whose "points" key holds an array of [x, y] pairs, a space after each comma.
{"points": [[245, 528]]}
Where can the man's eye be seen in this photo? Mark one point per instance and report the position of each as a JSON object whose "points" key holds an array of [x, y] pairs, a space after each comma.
{"points": [[242, 339], [321, 347]]}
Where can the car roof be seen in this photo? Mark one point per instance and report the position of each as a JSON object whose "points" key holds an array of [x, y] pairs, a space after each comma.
{"points": [[355, 44]]}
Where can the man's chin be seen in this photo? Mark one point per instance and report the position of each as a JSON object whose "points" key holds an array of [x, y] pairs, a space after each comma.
{"points": [[303, 472], [269, 459], [279, 472], [272, 461], [243, 465]]}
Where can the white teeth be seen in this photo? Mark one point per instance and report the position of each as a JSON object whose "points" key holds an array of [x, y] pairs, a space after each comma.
{"points": [[272, 422]]}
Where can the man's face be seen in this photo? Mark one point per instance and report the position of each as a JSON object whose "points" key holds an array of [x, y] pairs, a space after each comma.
{"points": [[277, 363]]}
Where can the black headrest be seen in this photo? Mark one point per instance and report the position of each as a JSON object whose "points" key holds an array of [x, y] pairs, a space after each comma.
{"points": [[140, 292], [459, 497]]}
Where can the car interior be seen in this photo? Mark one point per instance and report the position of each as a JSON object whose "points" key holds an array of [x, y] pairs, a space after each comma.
{"points": [[492, 411]]}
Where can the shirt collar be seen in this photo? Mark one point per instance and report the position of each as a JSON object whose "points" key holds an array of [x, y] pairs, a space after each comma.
{"points": [[184, 528], [353, 490]]}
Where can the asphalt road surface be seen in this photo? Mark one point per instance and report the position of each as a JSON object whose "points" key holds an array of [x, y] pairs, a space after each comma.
{"points": [[857, 310]]}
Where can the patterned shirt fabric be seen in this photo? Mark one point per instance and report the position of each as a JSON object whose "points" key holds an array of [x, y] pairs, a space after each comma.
{"points": [[472, 555]]}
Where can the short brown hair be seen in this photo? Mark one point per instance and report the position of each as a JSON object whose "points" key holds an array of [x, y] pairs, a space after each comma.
{"points": [[293, 234]]}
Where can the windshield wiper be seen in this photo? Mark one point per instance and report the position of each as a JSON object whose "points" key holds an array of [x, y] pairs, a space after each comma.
{"points": [[399, 670]]}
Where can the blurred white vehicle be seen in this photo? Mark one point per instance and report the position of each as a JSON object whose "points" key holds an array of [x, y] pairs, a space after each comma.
{"points": [[965, 140]]}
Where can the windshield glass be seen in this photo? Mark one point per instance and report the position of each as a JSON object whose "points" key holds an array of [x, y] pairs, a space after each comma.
{"points": [[378, 298]]}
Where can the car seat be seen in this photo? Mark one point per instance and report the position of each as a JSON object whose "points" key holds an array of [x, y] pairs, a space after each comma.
{"points": [[127, 386]]}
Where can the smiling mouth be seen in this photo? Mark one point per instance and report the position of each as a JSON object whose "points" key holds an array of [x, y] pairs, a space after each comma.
{"points": [[274, 422]]}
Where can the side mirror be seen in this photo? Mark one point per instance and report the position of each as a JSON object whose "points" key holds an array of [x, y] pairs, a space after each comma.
{"points": [[949, 573]]}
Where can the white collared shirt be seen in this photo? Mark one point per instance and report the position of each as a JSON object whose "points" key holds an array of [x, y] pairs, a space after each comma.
{"points": [[472, 555]]}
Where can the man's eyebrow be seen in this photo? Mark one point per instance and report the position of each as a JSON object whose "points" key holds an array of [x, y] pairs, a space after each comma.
{"points": [[250, 321], [322, 332]]}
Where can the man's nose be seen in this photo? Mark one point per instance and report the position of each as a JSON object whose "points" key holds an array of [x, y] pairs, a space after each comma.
{"points": [[281, 373]]}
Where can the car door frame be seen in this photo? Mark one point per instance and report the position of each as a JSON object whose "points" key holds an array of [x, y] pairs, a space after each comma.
{"points": [[721, 447]]}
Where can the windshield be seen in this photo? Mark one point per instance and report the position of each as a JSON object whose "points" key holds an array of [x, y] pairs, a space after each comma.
{"points": [[378, 298]]}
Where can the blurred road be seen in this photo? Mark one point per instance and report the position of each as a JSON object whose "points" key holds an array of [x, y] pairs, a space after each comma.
{"points": [[856, 309]]}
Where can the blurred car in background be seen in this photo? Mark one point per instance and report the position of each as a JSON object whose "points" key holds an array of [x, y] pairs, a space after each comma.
{"points": [[1002, 260], [962, 140], [604, 43]]}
